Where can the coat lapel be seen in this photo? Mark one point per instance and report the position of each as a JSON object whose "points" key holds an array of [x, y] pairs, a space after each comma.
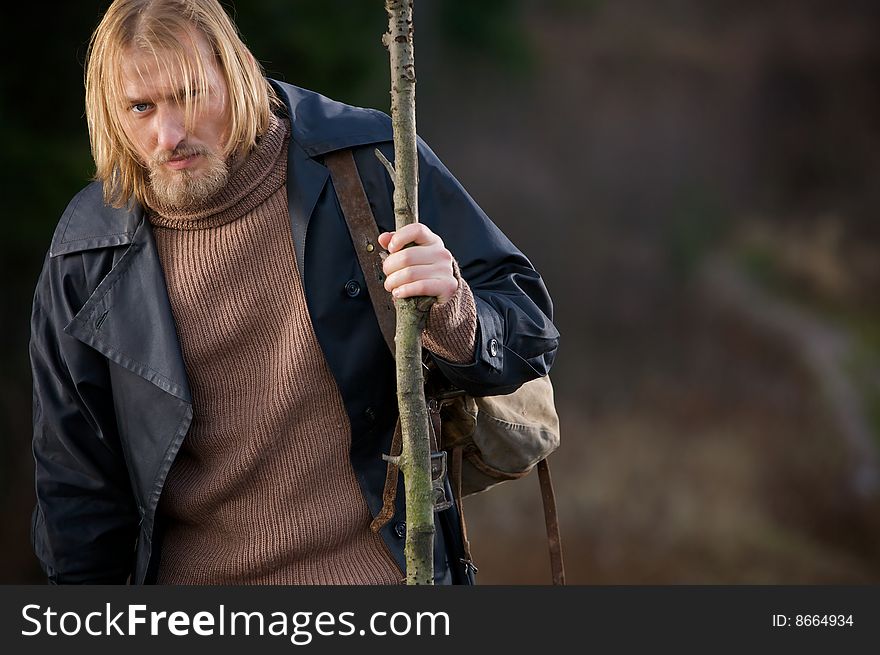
{"points": [[128, 318], [305, 181]]}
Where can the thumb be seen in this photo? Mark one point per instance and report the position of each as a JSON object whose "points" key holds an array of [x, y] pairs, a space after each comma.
{"points": [[385, 239]]}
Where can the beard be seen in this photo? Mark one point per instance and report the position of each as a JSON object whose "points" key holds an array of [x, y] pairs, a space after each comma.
{"points": [[186, 188]]}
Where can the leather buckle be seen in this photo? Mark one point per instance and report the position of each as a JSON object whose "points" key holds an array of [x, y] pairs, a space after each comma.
{"points": [[438, 479]]}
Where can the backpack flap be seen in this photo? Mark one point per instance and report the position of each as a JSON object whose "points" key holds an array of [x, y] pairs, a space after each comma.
{"points": [[502, 437], [516, 431]]}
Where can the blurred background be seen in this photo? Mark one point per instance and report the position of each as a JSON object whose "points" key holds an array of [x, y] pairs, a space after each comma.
{"points": [[699, 184]]}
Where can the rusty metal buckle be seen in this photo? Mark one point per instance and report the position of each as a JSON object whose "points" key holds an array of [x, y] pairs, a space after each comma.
{"points": [[438, 479]]}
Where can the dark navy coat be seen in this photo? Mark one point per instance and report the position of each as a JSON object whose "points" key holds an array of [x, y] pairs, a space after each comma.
{"points": [[111, 399]]}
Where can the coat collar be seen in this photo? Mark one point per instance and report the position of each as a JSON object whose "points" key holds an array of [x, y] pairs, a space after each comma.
{"points": [[321, 125], [88, 223]]}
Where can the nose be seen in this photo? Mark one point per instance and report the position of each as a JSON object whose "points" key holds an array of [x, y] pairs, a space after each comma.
{"points": [[171, 128]]}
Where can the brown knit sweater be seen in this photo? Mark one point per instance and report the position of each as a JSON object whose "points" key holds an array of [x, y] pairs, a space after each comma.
{"points": [[262, 490]]}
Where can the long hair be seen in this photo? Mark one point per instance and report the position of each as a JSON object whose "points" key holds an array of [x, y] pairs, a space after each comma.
{"points": [[156, 26]]}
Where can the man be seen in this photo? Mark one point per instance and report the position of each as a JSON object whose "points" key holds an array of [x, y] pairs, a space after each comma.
{"points": [[212, 393]]}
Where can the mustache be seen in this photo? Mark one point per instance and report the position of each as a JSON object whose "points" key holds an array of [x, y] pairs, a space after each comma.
{"points": [[181, 152]]}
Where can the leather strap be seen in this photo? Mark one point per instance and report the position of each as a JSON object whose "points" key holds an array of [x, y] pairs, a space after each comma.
{"points": [[455, 472], [389, 492], [365, 237], [554, 539]]}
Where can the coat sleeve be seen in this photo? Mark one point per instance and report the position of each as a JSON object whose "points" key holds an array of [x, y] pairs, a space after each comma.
{"points": [[516, 340], [85, 520]]}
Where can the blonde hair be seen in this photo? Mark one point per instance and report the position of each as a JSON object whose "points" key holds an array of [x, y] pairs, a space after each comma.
{"points": [[156, 26]]}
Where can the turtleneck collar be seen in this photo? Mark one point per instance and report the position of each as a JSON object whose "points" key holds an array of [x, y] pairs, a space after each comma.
{"points": [[259, 176]]}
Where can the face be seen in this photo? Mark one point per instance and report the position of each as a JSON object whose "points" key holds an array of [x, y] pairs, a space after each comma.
{"points": [[185, 165]]}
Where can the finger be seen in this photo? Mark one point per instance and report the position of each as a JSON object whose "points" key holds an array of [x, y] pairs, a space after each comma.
{"points": [[440, 289], [414, 274], [417, 233], [418, 256]]}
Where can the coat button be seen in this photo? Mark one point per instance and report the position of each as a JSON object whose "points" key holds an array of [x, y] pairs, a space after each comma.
{"points": [[493, 347], [352, 288], [400, 529]]}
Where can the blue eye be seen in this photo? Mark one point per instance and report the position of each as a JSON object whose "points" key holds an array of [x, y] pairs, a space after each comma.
{"points": [[140, 107]]}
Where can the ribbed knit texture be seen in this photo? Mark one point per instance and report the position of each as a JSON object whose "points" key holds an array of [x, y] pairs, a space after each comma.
{"points": [[451, 328], [262, 490]]}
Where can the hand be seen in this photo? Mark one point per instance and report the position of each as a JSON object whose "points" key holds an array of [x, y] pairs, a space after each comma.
{"points": [[424, 269]]}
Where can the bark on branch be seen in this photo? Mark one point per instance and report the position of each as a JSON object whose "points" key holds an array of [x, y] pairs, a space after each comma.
{"points": [[415, 459]]}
